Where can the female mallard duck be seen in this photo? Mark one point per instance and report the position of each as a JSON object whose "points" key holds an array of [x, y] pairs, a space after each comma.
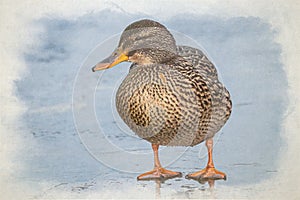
{"points": [[171, 95]]}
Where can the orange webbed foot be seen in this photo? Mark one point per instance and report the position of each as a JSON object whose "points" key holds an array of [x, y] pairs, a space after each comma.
{"points": [[206, 174], [159, 173]]}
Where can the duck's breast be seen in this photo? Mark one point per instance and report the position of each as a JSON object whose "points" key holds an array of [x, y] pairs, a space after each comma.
{"points": [[160, 105]]}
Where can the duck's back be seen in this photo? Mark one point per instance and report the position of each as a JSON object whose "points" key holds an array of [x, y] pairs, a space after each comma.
{"points": [[178, 103]]}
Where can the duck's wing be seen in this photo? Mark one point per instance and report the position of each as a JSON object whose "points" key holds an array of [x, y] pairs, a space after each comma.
{"points": [[220, 105], [201, 63]]}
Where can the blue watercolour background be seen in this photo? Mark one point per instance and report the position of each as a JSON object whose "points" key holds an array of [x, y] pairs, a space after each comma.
{"points": [[242, 48]]}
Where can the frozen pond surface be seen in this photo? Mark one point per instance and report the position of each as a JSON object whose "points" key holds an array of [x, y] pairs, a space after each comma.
{"points": [[247, 148]]}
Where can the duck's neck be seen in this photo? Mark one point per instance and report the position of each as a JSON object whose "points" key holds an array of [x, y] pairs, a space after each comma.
{"points": [[179, 62]]}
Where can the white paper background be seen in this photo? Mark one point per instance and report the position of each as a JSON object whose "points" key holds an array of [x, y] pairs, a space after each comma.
{"points": [[16, 17]]}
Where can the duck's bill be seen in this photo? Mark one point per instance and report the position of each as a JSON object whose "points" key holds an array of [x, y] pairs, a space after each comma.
{"points": [[101, 66], [110, 62]]}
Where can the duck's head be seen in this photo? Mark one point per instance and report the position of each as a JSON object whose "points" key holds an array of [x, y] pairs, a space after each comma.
{"points": [[142, 42]]}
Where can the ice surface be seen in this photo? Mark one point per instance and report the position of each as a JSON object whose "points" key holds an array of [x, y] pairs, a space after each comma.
{"points": [[247, 148]]}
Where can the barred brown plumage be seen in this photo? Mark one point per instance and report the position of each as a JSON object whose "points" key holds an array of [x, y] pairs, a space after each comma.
{"points": [[171, 95], [187, 89]]}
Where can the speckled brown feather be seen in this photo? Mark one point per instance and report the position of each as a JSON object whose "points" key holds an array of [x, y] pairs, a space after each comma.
{"points": [[178, 103]]}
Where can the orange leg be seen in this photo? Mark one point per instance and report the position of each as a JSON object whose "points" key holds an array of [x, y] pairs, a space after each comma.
{"points": [[209, 172], [158, 172]]}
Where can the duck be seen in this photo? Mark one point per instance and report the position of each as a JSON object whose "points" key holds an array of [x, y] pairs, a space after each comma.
{"points": [[171, 95]]}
